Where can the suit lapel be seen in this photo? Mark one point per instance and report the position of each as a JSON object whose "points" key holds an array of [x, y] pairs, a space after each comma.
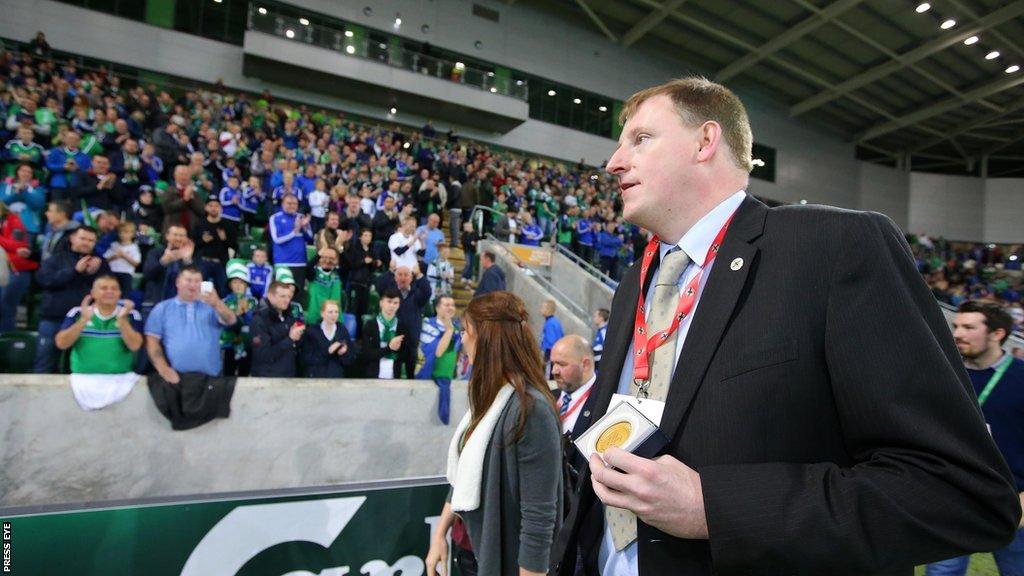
{"points": [[717, 301]]}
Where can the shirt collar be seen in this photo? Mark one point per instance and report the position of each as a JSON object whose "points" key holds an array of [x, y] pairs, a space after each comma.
{"points": [[699, 237], [997, 362]]}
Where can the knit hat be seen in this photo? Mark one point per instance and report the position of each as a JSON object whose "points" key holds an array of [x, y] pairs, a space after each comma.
{"points": [[283, 274], [237, 269]]}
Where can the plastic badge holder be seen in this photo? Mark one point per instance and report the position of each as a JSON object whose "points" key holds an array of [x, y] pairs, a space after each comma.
{"points": [[624, 427]]}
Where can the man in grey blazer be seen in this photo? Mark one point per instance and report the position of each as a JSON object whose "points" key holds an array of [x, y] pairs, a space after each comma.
{"points": [[818, 418]]}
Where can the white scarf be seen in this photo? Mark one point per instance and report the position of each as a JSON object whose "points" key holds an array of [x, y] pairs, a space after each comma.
{"points": [[465, 471]]}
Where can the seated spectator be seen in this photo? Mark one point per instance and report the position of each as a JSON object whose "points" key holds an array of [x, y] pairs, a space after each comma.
{"points": [[236, 340], [163, 263], [493, 277], [14, 240], [103, 332], [289, 232], [59, 224], [183, 332], [276, 334], [325, 284], [404, 245], [124, 256], [65, 277], [25, 197], [327, 347], [260, 273], [382, 339]]}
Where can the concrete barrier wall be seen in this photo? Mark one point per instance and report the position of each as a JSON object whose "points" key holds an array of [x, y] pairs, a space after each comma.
{"points": [[589, 292], [281, 434]]}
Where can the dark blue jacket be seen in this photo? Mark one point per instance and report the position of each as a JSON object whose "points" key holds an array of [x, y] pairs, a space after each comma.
{"points": [[492, 280], [63, 286]]}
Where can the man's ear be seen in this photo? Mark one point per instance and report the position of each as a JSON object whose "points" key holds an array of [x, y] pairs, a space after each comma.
{"points": [[710, 137]]}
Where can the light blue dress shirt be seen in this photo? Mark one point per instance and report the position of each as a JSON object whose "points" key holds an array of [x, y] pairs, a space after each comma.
{"points": [[695, 243]]}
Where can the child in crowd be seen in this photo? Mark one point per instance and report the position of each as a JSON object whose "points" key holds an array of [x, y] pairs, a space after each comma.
{"points": [[124, 256], [260, 273], [235, 340], [231, 200], [441, 273], [318, 204]]}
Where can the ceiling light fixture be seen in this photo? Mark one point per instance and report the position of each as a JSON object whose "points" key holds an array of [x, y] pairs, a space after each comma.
{"points": [[493, 90], [350, 49], [992, 55], [289, 33], [577, 101], [971, 40], [262, 11], [349, 33], [602, 108], [923, 7], [1012, 69], [303, 21], [394, 110], [948, 24], [552, 92]]}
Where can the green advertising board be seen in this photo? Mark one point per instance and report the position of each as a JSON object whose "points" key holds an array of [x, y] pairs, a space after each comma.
{"points": [[378, 531]]}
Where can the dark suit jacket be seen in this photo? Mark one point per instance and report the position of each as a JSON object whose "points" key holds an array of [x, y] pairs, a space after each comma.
{"points": [[492, 280], [821, 399], [370, 351]]}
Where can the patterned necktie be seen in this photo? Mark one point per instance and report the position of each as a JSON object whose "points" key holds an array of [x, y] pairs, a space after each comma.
{"points": [[622, 523], [564, 406]]}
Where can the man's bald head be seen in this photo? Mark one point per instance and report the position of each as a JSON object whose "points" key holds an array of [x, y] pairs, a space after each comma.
{"points": [[572, 362]]}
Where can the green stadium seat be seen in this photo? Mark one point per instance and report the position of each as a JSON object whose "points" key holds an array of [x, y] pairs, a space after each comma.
{"points": [[18, 351], [258, 234]]}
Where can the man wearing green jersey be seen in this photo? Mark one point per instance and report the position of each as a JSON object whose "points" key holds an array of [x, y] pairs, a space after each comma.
{"points": [[103, 333]]}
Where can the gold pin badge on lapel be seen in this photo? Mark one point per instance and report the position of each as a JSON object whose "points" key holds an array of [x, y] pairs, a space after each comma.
{"points": [[736, 264]]}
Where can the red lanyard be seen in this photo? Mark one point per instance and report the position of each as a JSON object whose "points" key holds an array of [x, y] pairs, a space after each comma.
{"points": [[576, 405], [645, 344]]}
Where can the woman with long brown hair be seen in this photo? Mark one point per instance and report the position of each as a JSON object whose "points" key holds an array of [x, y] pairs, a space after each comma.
{"points": [[504, 463]]}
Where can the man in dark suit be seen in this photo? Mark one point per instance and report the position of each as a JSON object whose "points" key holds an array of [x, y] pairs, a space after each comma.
{"points": [[493, 277], [572, 369], [817, 417]]}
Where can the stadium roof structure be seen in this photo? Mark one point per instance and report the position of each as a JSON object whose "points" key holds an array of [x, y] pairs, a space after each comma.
{"points": [[932, 86]]}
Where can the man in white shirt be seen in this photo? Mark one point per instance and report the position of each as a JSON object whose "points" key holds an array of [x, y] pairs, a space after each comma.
{"points": [[404, 245]]}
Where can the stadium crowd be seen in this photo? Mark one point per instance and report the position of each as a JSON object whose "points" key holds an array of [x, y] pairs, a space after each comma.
{"points": [[281, 235], [288, 218]]}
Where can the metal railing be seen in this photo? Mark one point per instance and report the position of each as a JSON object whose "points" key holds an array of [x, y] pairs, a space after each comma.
{"points": [[267, 20], [587, 266], [544, 282]]}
